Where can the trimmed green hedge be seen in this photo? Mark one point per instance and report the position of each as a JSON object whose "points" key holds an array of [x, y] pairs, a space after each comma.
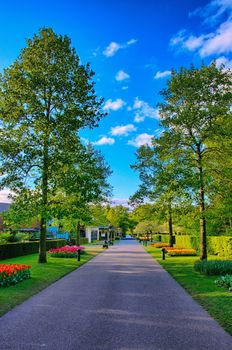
{"points": [[12, 250], [83, 240], [220, 245], [186, 241], [216, 245]]}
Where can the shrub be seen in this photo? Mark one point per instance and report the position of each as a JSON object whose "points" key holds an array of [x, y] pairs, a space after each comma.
{"points": [[11, 274], [220, 246], [66, 251], [180, 252], [187, 241], [83, 240], [160, 245], [12, 250], [225, 281], [213, 267]]}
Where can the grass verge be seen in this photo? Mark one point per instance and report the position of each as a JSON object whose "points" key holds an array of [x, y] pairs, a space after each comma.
{"points": [[216, 300], [42, 276]]}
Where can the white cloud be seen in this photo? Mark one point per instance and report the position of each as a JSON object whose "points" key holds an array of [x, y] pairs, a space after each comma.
{"points": [[213, 11], [121, 75], [223, 60], [216, 42], [114, 105], [124, 87], [120, 201], [140, 140], [221, 42], [132, 41], [160, 75], [4, 196], [193, 42], [122, 130], [143, 110], [104, 141], [113, 47]]}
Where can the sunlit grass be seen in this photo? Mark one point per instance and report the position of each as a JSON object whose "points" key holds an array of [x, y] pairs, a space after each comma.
{"points": [[216, 300], [42, 276]]}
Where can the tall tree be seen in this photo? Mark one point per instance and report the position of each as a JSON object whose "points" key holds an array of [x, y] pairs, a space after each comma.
{"points": [[82, 184], [160, 181], [46, 96], [118, 216], [196, 105]]}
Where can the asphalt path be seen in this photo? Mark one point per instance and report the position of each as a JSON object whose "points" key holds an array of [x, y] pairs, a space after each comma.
{"points": [[121, 299]]}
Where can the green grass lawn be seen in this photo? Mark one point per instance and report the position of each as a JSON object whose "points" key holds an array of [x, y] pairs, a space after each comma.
{"points": [[216, 300], [41, 276]]}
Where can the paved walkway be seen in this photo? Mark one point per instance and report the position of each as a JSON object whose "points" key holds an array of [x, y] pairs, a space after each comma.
{"points": [[122, 299]]}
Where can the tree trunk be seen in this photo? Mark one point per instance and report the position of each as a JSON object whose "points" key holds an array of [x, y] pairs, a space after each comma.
{"points": [[203, 244], [43, 225], [78, 239], [170, 230]]}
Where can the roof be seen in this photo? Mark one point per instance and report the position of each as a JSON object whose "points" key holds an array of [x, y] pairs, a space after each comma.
{"points": [[4, 206]]}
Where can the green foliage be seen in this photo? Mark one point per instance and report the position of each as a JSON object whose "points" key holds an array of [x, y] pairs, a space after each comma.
{"points": [[221, 246], [12, 250], [46, 96], [118, 216], [186, 241], [225, 281], [213, 267], [147, 227]]}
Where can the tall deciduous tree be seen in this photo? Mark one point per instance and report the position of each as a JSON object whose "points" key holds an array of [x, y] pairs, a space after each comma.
{"points": [[160, 181], [46, 96], [196, 106]]}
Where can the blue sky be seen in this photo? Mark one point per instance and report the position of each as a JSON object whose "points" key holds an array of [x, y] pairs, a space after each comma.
{"points": [[132, 46]]}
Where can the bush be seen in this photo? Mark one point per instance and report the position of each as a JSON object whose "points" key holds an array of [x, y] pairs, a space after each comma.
{"points": [[83, 240], [11, 274], [225, 281], [220, 246], [66, 251], [12, 250], [213, 267], [190, 242], [180, 252]]}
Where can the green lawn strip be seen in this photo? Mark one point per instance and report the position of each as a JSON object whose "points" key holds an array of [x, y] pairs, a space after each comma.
{"points": [[42, 275], [216, 300]]}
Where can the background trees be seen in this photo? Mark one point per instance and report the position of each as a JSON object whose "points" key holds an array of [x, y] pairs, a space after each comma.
{"points": [[46, 96]]}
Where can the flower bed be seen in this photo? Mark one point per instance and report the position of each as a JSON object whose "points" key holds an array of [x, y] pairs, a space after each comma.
{"points": [[180, 251], [160, 245], [66, 251], [11, 274]]}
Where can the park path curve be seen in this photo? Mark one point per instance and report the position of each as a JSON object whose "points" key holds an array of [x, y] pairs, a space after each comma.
{"points": [[120, 300]]}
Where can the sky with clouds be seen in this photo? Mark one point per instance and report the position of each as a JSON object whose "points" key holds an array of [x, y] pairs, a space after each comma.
{"points": [[132, 47]]}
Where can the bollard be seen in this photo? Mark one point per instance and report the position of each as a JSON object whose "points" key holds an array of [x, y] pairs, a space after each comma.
{"points": [[163, 253], [78, 255]]}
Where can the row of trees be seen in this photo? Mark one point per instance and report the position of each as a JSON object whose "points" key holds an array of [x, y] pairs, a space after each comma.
{"points": [[190, 164], [46, 97]]}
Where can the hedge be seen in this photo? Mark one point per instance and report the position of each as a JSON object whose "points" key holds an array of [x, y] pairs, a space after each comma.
{"points": [[83, 240], [220, 246], [216, 245], [12, 250]]}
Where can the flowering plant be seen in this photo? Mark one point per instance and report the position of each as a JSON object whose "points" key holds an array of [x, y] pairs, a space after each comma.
{"points": [[160, 245], [180, 251], [66, 251], [11, 274]]}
